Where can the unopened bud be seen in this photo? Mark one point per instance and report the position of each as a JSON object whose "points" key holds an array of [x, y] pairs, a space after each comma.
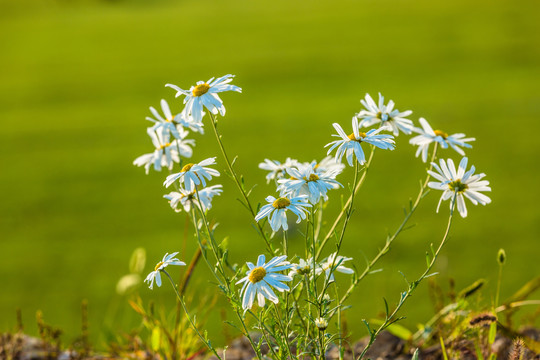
{"points": [[501, 257]]}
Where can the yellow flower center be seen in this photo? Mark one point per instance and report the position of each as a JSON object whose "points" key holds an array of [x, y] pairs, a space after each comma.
{"points": [[164, 146], [458, 186], [187, 167], [312, 177], [281, 203], [257, 274], [158, 265], [200, 89], [441, 134], [353, 138]]}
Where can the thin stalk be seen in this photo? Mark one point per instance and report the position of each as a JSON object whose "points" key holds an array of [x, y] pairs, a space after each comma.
{"points": [[347, 204], [262, 327], [237, 181], [348, 213], [183, 281], [390, 318], [400, 228], [283, 332], [322, 354], [227, 284], [201, 246], [340, 341], [181, 300], [297, 307], [499, 280], [285, 243], [187, 276]]}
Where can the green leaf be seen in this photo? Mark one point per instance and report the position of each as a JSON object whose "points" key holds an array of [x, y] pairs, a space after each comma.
{"points": [[471, 289], [395, 329], [525, 291], [415, 355], [492, 332], [443, 349], [137, 261], [138, 308], [479, 354], [156, 339]]}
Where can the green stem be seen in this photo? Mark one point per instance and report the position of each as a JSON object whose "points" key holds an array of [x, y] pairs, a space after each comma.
{"points": [[201, 246], [181, 300], [348, 213], [238, 184], [338, 219], [390, 318], [499, 280], [391, 239], [284, 332], [227, 286]]}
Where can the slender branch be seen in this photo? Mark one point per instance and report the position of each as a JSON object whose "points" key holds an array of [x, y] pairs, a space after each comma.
{"points": [[400, 228], [391, 318], [181, 300], [238, 184], [347, 204]]}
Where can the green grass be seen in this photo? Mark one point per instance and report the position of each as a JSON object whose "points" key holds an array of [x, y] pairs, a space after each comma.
{"points": [[78, 78]]}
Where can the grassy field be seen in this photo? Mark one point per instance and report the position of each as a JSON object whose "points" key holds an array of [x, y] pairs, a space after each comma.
{"points": [[77, 79]]}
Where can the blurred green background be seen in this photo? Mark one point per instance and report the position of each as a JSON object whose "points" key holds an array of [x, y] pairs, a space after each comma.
{"points": [[77, 78]]}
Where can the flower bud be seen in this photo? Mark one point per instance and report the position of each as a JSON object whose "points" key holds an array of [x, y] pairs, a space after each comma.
{"points": [[501, 257]]}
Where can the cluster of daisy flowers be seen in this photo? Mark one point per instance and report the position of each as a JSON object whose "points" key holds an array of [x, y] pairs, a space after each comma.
{"points": [[300, 187], [169, 136]]}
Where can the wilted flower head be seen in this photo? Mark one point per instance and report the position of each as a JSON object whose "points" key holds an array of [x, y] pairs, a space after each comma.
{"points": [[460, 182], [261, 278], [205, 94], [167, 260], [428, 136], [193, 175], [391, 119], [276, 210]]}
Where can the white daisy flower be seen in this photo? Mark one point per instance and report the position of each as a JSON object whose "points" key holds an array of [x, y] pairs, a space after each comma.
{"points": [[461, 182], [167, 151], [261, 278], [186, 199], [330, 265], [188, 122], [205, 94], [304, 267], [428, 136], [389, 118], [305, 181], [168, 259], [276, 169], [351, 144], [192, 175], [321, 323], [164, 124], [276, 210], [328, 163]]}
